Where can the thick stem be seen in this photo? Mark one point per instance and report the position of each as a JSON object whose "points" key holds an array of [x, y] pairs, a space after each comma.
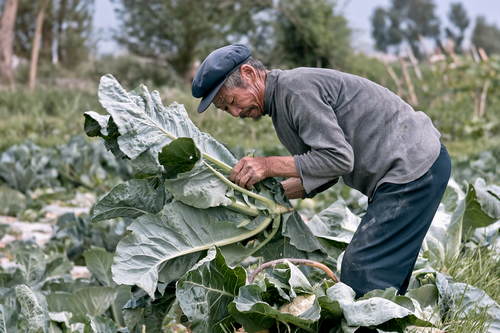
{"points": [[261, 227], [240, 207], [276, 225], [220, 164]]}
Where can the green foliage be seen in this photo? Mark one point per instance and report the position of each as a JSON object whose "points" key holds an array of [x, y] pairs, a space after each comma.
{"points": [[133, 198], [311, 33], [460, 21], [46, 116], [79, 163], [77, 234], [67, 29], [486, 35], [206, 290], [26, 167], [456, 219], [179, 156], [133, 70], [301, 33], [179, 32], [405, 21]]}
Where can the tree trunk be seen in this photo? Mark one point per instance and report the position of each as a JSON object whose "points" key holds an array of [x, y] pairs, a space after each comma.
{"points": [[35, 50], [60, 21], [7, 39], [409, 83]]}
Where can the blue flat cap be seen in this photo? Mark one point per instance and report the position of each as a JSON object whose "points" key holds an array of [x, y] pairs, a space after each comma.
{"points": [[214, 71]]}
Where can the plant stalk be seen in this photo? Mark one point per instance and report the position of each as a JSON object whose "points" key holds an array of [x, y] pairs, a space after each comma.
{"points": [[276, 224], [215, 161], [240, 207], [268, 202]]}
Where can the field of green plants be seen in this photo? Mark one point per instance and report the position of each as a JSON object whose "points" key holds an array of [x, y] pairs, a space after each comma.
{"points": [[122, 220]]}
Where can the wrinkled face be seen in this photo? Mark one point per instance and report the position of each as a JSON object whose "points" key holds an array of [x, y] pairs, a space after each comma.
{"points": [[246, 101], [239, 102]]}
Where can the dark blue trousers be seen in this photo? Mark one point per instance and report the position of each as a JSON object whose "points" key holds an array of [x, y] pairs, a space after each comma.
{"points": [[386, 244]]}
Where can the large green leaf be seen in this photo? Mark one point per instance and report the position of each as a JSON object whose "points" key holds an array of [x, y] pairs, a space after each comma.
{"points": [[174, 269], [176, 231], [254, 313], [482, 205], [145, 130], [13, 203], [288, 276], [179, 156], [198, 188], [145, 124], [206, 290], [130, 199], [464, 299], [384, 309], [96, 124], [99, 262], [299, 234], [8, 319], [33, 308], [93, 301], [31, 259], [141, 311], [444, 238], [280, 247], [102, 324], [455, 221], [336, 223]]}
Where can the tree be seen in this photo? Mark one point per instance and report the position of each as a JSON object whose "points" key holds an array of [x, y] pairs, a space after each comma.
{"points": [[405, 21], [72, 28], [7, 21], [486, 36], [65, 34], [301, 33], [35, 50], [310, 33], [176, 33], [460, 21]]}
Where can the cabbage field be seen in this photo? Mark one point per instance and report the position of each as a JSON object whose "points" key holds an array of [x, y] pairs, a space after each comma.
{"points": [[135, 227]]}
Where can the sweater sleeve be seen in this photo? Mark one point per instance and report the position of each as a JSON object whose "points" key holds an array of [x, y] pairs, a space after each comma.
{"points": [[330, 155]]}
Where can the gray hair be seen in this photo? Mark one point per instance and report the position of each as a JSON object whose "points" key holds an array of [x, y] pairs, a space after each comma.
{"points": [[234, 80]]}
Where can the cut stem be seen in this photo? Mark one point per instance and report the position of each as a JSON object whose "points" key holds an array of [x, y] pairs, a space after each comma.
{"points": [[240, 207], [215, 161], [276, 225]]}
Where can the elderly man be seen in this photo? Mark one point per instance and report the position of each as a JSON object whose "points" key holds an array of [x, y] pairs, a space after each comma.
{"points": [[339, 125]]}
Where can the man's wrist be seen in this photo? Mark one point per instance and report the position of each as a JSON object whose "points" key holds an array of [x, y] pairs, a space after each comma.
{"points": [[268, 167], [280, 166]]}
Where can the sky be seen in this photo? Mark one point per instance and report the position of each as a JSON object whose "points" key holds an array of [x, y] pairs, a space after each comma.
{"points": [[357, 12]]}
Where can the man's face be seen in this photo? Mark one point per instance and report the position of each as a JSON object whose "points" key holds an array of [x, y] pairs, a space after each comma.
{"points": [[241, 102]]}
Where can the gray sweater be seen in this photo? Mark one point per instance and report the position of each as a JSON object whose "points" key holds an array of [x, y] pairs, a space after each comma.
{"points": [[342, 125]]}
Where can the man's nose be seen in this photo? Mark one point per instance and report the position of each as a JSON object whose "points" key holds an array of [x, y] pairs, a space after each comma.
{"points": [[234, 111]]}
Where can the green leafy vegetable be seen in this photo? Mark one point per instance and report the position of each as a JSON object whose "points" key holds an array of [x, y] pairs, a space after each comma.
{"points": [[206, 290]]}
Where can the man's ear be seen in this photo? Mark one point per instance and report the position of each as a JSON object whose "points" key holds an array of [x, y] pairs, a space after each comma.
{"points": [[247, 72]]}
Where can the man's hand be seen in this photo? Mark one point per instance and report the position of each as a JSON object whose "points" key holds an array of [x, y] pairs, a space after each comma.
{"points": [[293, 188], [249, 171]]}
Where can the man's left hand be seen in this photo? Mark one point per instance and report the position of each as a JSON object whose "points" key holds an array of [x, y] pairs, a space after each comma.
{"points": [[249, 171]]}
